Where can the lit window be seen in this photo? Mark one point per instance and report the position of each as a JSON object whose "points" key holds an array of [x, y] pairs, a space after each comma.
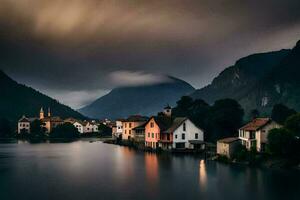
{"points": [[152, 135]]}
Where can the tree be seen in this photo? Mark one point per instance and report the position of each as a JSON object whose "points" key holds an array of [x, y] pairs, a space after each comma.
{"points": [[224, 119], [5, 128], [254, 113], [183, 106], [37, 129], [293, 124], [281, 142], [66, 130], [104, 130], [281, 112]]}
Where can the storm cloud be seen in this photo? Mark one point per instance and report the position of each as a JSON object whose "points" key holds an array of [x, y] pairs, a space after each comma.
{"points": [[77, 50]]}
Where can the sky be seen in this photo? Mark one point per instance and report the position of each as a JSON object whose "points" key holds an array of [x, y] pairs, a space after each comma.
{"points": [[78, 50]]}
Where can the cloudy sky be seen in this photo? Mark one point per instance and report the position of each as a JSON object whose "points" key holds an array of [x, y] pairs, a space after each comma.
{"points": [[77, 50]]}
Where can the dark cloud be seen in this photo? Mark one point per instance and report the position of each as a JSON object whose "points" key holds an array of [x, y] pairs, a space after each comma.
{"points": [[76, 47]]}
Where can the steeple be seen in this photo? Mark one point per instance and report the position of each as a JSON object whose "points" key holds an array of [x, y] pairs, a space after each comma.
{"points": [[49, 113], [168, 111], [42, 113]]}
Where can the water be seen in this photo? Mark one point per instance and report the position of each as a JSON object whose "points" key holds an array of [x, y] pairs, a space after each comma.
{"points": [[83, 170]]}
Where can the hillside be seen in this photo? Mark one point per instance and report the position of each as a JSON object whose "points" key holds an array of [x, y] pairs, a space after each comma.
{"points": [[17, 99], [143, 100], [259, 81]]}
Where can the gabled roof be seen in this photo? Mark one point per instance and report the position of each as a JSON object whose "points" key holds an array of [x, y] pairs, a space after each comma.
{"points": [[163, 122], [24, 119], [176, 123], [256, 124]]}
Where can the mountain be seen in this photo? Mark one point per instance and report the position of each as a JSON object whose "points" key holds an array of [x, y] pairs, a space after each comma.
{"points": [[259, 81], [17, 99], [144, 100]]}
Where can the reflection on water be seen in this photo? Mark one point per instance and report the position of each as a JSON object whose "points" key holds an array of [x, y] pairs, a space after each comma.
{"points": [[151, 165], [83, 170], [202, 175]]}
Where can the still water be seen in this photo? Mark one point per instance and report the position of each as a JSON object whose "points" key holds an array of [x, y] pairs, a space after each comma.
{"points": [[83, 170]]}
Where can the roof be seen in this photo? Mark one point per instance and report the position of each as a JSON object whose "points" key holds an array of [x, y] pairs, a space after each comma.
{"points": [[24, 119], [52, 119], [141, 127], [256, 124], [176, 123], [136, 118], [228, 140]]}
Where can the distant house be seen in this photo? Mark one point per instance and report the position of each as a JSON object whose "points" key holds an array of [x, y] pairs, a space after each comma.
{"points": [[90, 127], [76, 123], [117, 129], [24, 124], [228, 146], [129, 124], [255, 133], [49, 122]]}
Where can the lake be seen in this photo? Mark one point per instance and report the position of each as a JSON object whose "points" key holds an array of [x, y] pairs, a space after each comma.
{"points": [[84, 170]]}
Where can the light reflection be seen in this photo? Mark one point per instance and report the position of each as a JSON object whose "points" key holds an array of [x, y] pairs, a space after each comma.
{"points": [[202, 175], [151, 165]]}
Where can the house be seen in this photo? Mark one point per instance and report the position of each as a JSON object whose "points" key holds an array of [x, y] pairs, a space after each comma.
{"points": [[90, 127], [24, 124], [76, 123], [129, 124], [49, 122], [117, 129], [254, 135], [185, 134], [228, 146], [154, 128], [139, 133]]}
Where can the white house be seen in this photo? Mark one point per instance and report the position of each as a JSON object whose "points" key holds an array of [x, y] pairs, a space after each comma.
{"points": [[90, 127], [24, 125], [186, 135], [79, 126], [117, 129], [255, 133]]}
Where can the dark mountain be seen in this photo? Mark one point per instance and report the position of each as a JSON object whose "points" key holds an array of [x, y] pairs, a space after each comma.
{"points": [[143, 100], [17, 99], [259, 81]]}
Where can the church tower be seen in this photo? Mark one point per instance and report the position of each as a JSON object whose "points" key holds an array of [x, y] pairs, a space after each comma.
{"points": [[168, 111], [49, 113], [42, 113]]}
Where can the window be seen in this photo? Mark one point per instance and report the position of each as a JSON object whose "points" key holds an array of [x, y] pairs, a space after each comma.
{"points": [[184, 127], [196, 135], [148, 134], [129, 125], [175, 136], [183, 136], [151, 124], [129, 132], [125, 131], [168, 136], [152, 135], [125, 125]]}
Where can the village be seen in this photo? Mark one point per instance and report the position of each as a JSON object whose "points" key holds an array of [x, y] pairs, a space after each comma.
{"points": [[162, 132]]}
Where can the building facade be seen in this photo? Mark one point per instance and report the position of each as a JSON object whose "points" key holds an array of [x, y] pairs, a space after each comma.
{"points": [[254, 135], [129, 124], [228, 146]]}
